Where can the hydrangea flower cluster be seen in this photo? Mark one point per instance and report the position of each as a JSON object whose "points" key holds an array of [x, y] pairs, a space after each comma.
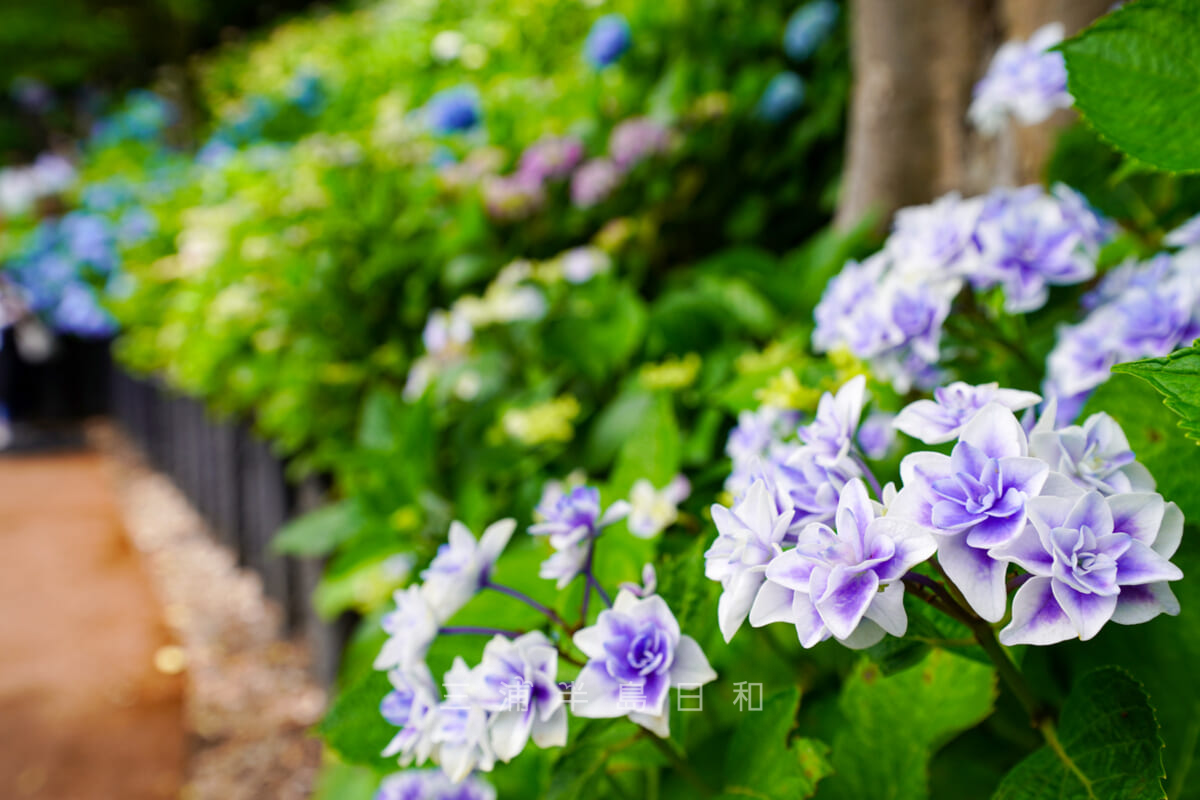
{"points": [[511, 297], [891, 308], [432, 784], [631, 656], [1069, 506], [607, 41], [631, 142], [22, 187], [247, 125], [1026, 80], [808, 27], [1139, 309], [783, 97]]}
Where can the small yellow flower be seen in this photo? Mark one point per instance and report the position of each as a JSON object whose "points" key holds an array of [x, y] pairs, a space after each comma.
{"points": [[544, 422], [785, 391]]}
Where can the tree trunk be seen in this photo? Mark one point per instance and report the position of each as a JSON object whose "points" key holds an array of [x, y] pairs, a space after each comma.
{"points": [[915, 63]]}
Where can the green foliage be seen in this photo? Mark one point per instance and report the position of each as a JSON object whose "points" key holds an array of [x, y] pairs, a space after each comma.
{"points": [[1134, 77], [353, 726], [1177, 378], [763, 763], [891, 726], [319, 532], [1110, 747]]}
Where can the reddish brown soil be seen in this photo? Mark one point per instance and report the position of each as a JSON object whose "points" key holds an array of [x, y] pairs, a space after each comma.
{"points": [[84, 713]]}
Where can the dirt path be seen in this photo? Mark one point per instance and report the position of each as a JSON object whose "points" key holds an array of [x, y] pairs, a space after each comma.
{"points": [[84, 712]]}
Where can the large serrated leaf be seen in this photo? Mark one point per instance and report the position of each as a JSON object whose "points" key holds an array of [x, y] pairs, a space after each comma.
{"points": [[355, 729], [1135, 76], [1109, 735], [1177, 378], [893, 725]]}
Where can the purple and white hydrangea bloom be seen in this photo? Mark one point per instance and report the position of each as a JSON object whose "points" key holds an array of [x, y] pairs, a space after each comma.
{"points": [[808, 487], [516, 683], [570, 521], [1093, 559], [412, 706], [635, 139], [758, 436], [460, 730], [943, 418], [845, 583], [636, 653], [830, 435], [1092, 456], [749, 536], [1026, 80], [652, 511], [877, 435], [1186, 235], [974, 500], [411, 628], [432, 784], [462, 566]]}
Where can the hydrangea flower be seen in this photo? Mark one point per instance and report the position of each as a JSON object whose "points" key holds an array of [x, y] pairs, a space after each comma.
{"points": [[831, 433], [571, 520], [516, 683], [453, 110], [1025, 80], [974, 500], [411, 706], [511, 198], [460, 730], [550, 158], [635, 139], [581, 264], [1093, 559], [1093, 456], [636, 653], [651, 511], [749, 536], [1186, 235], [411, 628], [937, 236], [432, 784], [807, 27], [593, 182], [809, 485], [462, 566], [607, 41], [79, 312], [782, 97], [943, 418], [845, 583], [877, 435], [648, 586]]}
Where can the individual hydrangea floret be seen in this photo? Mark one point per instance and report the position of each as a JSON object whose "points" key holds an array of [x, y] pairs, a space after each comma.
{"points": [[411, 628], [453, 110], [845, 583], [462, 566], [594, 181], [1092, 456], [1093, 559], [831, 433], [974, 500], [516, 683], [411, 706], [651, 510], [432, 784], [808, 27], [1026, 80], [877, 435], [636, 653], [809, 485], [460, 731], [749, 536], [943, 418], [607, 41], [1186, 235], [570, 520], [782, 97]]}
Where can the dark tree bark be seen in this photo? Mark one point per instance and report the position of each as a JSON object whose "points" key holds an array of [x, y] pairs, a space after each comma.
{"points": [[915, 63]]}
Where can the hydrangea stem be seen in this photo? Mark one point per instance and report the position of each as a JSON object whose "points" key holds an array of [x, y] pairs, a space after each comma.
{"points": [[871, 479], [549, 613], [451, 630], [589, 581]]}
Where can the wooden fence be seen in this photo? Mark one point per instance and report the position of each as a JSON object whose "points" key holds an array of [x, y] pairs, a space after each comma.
{"points": [[240, 488]]}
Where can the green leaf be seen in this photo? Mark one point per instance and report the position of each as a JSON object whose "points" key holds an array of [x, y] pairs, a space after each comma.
{"points": [[354, 728], [1177, 378], [345, 782], [319, 532], [1135, 76], [893, 725], [762, 763], [1110, 737], [577, 773], [653, 451]]}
